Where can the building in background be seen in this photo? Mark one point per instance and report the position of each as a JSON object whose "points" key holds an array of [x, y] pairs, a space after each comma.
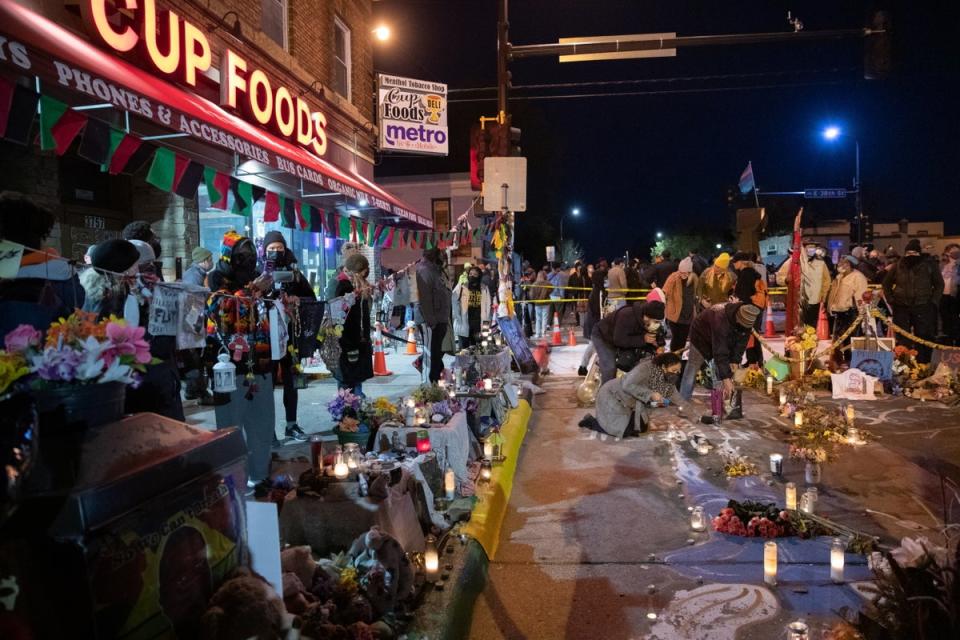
{"points": [[312, 67]]}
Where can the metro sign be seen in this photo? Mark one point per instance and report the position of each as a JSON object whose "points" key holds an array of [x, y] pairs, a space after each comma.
{"points": [[176, 47]]}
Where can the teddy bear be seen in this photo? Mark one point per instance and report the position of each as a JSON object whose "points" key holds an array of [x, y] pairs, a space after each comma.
{"points": [[375, 551], [244, 606]]}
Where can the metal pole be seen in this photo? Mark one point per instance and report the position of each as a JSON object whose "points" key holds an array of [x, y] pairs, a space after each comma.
{"points": [[859, 201], [503, 54], [562, 216]]}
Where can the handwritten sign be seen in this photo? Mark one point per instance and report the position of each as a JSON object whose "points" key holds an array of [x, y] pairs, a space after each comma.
{"points": [[517, 341], [852, 384], [10, 254], [164, 307], [191, 318]]}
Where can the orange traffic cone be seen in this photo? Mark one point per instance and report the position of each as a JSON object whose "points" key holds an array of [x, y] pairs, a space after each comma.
{"points": [[771, 331], [411, 340], [823, 327], [379, 358], [557, 338], [541, 354], [571, 339]]}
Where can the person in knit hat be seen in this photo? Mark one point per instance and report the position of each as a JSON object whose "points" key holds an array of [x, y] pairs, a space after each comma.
{"points": [[202, 262], [356, 349], [914, 288], [718, 334], [636, 328], [844, 298], [681, 292], [716, 282]]}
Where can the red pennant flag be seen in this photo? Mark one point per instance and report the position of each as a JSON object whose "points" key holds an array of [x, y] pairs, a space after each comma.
{"points": [[218, 185], [353, 230], [271, 207], [364, 228], [388, 243], [123, 153], [66, 129], [301, 220], [376, 235]]}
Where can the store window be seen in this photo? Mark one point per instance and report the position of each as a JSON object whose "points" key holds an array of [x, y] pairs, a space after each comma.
{"points": [[273, 20], [341, 58], [316, 254]]}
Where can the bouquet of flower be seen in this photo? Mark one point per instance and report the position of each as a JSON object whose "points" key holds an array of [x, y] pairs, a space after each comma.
{"points": [[754, 378], [809, 454], [380, 410], [446, 408], [344, 404], [736, 465], [428, 393], [77, 350], [752, 519], [803, 339]]}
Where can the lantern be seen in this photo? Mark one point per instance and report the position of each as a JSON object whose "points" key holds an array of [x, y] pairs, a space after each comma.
{"points": [[483, 344], [497, 340], [791, 496], [431, 557], [487, 448], [837, 552], [495, 440], [798, 418], [423, 441], [340, 468], [449, 483], [798, 631], [316, 453], [770, 562], [224, 374], [486, 471], [353, 456], [808, 501], [698, 519], [776, 464]]}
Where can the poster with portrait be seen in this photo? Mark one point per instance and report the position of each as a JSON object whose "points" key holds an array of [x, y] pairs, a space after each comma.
{"points": [[878, 364]]}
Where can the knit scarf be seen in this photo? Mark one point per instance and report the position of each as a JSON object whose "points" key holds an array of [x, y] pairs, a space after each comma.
{"points": [[660, 384]]}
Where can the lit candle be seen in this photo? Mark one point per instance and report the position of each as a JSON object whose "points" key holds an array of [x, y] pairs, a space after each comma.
{"points": [[449, 483], [776, 464], [791, 496], [483, 343], [442, 383], [769, 385], [837, 551], [798, 419], [797, 630], [770, 562], [431, 557], [703, 448], [486, 471], [340, 469], [851, 414], [853, 435], [808, 501], [487, 449], [488, 384], [423, 441], [783, 397], [698, 519], [411, 403]]}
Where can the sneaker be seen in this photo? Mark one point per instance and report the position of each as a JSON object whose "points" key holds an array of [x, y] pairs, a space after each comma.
{"points": [[582, 372], [294, 432]]}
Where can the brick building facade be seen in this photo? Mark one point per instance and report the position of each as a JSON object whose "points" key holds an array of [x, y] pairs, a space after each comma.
{"points": [[293, 41]]}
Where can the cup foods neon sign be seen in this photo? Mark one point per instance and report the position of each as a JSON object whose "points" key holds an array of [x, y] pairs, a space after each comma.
{"points": [[176, 47]]}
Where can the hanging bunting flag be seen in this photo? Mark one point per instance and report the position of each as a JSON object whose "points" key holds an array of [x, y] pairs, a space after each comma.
{"points": [[302, 210], [271, 207], [316, 219], [353, 231], [6, 99], [190, 180], [95, 142], [218, 185], [388, 241], [344, 228], [242, 197], [128, 154], [51, 110], [167, 169], [59, 125], [16, 122], [378, 235], [362, 230], [288, 215]]}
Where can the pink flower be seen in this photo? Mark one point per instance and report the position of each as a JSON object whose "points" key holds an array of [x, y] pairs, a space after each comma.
{"points": [[22, 338], [126, 341]]}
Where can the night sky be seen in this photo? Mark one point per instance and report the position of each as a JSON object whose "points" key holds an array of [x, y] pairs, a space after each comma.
{"points": [[636, 164]]}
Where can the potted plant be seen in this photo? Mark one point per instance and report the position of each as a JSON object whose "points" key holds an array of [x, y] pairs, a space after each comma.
{"points": [[345, 409]]}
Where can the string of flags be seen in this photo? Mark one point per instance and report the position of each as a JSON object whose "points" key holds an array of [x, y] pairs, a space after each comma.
{"points": [[117, 152]]}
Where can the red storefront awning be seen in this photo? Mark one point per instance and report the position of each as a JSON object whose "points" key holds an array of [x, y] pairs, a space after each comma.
{"points": [[60, 57]]}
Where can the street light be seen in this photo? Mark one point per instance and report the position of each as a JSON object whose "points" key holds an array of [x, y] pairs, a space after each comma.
{"points": [[719, 246], [574, 212], [659, 234], [830, 134], [381, 33]]}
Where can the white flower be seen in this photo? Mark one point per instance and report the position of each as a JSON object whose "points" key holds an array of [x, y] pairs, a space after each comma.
{"points": [[912, 551], [117, 372]]}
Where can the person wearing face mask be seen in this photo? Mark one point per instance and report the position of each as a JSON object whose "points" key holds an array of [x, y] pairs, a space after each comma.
{"points": [[914, 288], [471, 307], [814, 282], [202, 259], [629, 334], [434, 297], [236, 310], [718, 335], [356, 349], [141, 230], [845, 297], [277, 257], [681, 292], [624, 404], [716, 282], [750, 286], [949, 303]]}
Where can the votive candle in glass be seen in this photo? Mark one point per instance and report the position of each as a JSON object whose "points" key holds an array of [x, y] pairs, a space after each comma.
{"points": [[791, 496], [770, 562], [837, 553]]}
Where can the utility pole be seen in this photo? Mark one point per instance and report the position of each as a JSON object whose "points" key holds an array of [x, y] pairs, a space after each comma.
{"points": [[505, 263]]}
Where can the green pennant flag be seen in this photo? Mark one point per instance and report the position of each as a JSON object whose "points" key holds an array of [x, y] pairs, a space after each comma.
{"points": [[344, 230], [51, 110], [431, 240], [166, 169], [371, 239], [218, 185], [242, 198]]}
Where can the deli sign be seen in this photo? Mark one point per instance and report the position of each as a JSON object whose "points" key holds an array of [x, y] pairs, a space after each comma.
{"points": [[413, 115], [176, 47]]}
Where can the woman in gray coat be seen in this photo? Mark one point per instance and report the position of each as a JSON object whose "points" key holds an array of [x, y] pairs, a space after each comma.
{"points": [[623, 404]]}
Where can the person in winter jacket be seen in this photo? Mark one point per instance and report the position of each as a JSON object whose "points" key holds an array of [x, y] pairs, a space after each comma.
{"points": [[845, 297], [434, 296], [750, 285], [539, 292], [624, 404], [238, 321], [196, 275], [471, 308], [348, 248], [45, 287], [950, 303], [617, 283], [814, 282], [680, 290], [715, 284], [663, 266], [277, 257], [595, 302], [914, 288], [638, 327], [356, 349], [718, 334]]}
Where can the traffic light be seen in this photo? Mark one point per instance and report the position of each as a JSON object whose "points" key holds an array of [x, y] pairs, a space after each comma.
{"points": [[491, 139], [877, 55], [866, 226], [515, 149]]}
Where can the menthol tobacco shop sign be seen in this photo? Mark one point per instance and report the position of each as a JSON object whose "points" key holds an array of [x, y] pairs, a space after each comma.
{"points": [[413, 115]]}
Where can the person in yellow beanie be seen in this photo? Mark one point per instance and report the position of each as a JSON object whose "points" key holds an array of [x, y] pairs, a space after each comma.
{"points": [[716, 282]]}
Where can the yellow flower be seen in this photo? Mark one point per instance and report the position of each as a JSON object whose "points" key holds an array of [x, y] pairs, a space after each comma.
{"points": [[12, 368]]}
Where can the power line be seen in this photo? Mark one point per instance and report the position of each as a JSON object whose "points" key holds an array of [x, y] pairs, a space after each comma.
{"points": [[610, 83], [614, 94]]}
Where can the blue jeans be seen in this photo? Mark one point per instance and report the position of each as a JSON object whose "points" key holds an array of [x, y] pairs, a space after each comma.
{"points": [[695, 361], [543, 320]]}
